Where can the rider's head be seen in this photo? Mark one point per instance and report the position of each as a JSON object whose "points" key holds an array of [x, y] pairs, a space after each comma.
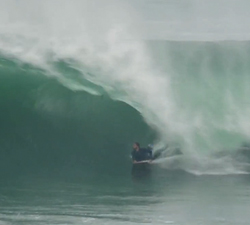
{"points": [[136, 146]]}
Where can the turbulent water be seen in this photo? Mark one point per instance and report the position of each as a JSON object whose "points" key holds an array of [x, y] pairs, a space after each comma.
{"points": [[80, 81]]}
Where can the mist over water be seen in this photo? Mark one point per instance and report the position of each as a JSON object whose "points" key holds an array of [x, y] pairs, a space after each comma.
{"points": [[194, 94]]}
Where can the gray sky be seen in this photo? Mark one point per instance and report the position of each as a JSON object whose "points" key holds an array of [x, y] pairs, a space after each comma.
{"points": [[147, 19], [194, 19]]}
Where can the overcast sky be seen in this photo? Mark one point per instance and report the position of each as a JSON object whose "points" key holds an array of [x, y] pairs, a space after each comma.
{"points": [[194, 19]]}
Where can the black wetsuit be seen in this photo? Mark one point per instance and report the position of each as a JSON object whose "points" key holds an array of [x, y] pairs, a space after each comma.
{"points": [[142, 154]]}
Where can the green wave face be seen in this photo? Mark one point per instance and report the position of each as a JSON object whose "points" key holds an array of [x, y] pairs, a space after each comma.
{"points": [[68, 120], [47, 128]]}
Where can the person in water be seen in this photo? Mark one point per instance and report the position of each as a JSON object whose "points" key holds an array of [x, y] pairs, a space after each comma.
{"points": [[140, 154]]}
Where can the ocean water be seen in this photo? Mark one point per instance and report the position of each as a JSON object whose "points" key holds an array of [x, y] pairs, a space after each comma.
{"points": [[174, 198], [80, 81]]}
